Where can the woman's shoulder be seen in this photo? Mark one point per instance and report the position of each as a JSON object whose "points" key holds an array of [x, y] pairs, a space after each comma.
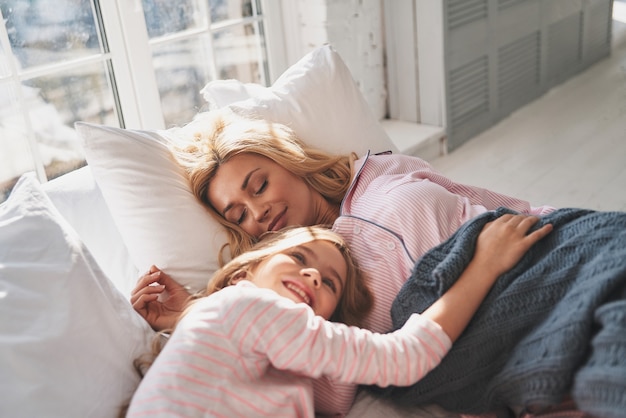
{"points": [[380, 174], [391, 164]]}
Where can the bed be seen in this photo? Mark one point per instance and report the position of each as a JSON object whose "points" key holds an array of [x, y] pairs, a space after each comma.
{"points": [[71, 249]]}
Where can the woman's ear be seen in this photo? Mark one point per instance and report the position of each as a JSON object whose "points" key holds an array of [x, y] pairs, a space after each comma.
{"points": [[237, 277]]}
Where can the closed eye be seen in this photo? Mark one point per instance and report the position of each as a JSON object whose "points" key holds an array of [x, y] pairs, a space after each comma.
{"points": [[242, 217], [244, 213], [262, 188]]}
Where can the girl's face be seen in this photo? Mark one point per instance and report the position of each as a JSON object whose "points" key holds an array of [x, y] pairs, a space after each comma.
{"points": [[313, 273], [259, 195]]}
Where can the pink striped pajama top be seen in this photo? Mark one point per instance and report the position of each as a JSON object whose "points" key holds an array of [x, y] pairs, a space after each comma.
{"points": [[246, 352], [398, 208]]}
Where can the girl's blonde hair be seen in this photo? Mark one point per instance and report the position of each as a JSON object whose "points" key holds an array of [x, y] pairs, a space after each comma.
{"points": [[214, 137], [354, 304], [356, 300]]}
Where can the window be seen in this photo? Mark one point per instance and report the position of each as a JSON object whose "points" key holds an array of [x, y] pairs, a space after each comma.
{"points": [[135, 64]]}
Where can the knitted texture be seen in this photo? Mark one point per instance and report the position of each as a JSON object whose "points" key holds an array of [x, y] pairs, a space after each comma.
{"points": [[554, 324]]}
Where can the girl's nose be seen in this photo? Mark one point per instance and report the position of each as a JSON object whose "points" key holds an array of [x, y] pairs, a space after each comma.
{"points": [[314, 277]]}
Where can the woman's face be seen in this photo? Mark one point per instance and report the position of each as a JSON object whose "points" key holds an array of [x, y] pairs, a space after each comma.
{"points": [[313, 273], [259, 195]]}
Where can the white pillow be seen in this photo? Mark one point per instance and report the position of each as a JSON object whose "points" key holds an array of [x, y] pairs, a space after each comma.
{"points": [[147, 193], [68, 338], [149, 197], [317, 97], [79, 199]]}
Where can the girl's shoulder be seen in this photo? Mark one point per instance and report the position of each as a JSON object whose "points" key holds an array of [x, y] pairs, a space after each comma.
{"points": [[242, 289], [236, 300], [245, 290]]}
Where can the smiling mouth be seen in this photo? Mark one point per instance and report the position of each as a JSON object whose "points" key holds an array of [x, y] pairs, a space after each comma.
{"points": [[298, 291], [275, 222]]}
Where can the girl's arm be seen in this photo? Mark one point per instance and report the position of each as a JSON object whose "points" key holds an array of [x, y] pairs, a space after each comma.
{"points": [[292, 338], [289, 336], [500, 245]]}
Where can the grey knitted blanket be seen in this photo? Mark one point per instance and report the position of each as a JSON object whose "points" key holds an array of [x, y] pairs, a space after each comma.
{"points": [[554, 325]]}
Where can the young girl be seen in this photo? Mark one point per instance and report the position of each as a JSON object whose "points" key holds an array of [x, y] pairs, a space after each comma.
{"points": [[252, 345]]}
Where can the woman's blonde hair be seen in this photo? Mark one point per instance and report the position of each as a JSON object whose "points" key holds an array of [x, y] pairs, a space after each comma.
{"points": [[214, 137]]}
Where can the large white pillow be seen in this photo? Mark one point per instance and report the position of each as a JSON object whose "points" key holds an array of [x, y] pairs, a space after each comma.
{"points": [[79, 199], [147, 193], [317, 97], [149, 197], [68, 338]]}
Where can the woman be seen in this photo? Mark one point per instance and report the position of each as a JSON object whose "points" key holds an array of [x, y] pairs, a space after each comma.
{"points": [[256, 176]]}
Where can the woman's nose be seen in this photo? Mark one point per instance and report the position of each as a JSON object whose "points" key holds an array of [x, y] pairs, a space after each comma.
{"points": [[260, 213], [313, 276]]}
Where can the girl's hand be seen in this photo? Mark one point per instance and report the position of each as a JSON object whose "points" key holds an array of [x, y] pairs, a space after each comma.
{"points": [[500, 245], [159, 299], [503, 242]]}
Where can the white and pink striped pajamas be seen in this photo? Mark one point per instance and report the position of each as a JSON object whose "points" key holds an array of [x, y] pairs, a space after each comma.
{"points": [[248, 352]]}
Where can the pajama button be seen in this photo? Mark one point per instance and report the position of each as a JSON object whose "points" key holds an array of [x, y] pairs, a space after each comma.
{"points": [[391, 246], [357, 229]]}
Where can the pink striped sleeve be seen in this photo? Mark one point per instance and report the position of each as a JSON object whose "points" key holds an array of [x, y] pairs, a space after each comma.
{"points": [[488, 199], [368, 358]]}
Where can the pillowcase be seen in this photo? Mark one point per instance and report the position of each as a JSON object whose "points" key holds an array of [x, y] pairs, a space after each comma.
{"points": [[148, 195], [151, 202], [78, 198], [68, 338], [317, 97]]}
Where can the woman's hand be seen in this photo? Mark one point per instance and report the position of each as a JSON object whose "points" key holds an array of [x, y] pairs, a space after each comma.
{"points": [[504, 241], [159, 299]]}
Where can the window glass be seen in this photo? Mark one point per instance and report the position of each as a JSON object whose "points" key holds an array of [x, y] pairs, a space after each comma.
{"points": [[82, 93], [187, 53], [239, 54], [15, 156], [227, 10], [54, 74], [166, 16], [49, 31], [182, 68]]}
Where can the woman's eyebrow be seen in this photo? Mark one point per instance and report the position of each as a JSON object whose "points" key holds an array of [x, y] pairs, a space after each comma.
{"points": [[247, 178], [244, 185]]}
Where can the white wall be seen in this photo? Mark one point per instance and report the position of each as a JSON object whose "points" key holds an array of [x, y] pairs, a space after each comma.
{"points": [[353, 27]]}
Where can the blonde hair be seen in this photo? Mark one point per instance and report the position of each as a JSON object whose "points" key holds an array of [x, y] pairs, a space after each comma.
{"points": [[355, 302], [214, 137]]}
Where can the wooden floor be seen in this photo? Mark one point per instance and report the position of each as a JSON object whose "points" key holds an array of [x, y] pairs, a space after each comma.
{"points": [[566, 149]]}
